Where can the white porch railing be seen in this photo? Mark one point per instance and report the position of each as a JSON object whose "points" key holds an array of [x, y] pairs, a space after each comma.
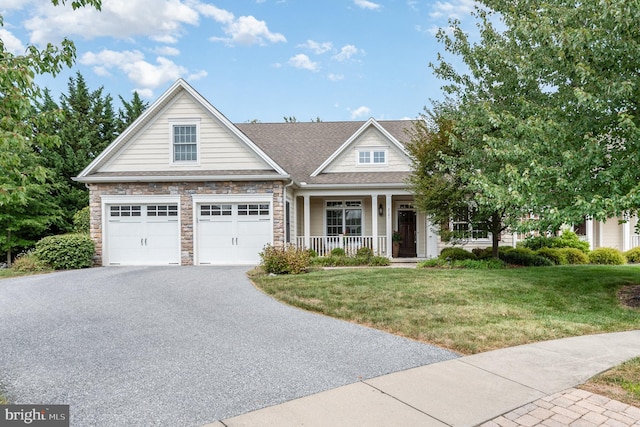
{"points": [[634, 240], [323, 245]]}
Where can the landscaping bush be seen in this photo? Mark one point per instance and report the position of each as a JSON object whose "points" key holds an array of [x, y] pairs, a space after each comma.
{"points": [[633, 255], [568, 239], [379, 261], [555, 255], [338, 252], [456, 254], [524, 257], [29, 262], [82, 221], [608, 256], [285, 260], [365, 253], [575, 256], [433, 262], [66, 251]]}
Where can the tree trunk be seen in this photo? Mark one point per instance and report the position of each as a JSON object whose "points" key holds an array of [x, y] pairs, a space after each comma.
{"points": [[8, 248], [496, 229]]}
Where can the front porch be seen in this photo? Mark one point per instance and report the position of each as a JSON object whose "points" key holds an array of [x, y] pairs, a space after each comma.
{"points": [[350, 220]]}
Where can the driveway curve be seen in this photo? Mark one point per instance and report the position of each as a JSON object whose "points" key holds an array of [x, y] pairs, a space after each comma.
{"points": [[178, 346]]}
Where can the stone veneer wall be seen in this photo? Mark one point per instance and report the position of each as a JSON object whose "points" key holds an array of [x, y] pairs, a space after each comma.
{"points": [[185, 190]]}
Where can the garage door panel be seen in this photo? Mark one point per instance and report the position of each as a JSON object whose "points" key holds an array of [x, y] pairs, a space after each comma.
{"points": [[233, 233], [215, 240], [143, 235], [125, 245]]}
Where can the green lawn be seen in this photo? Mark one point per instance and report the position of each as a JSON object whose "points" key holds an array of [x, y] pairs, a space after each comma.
{"points": [[621, 383], [468, 311]]}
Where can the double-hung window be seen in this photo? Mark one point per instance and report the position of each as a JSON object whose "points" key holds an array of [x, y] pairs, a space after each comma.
{"points": [[465, 227], [372, 157], [344, 217], [185, 142]]}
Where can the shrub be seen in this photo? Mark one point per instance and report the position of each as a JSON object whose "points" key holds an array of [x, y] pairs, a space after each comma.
{"points": [[312, 253], [575, 256], [82, 220], [338, 252], [456, 254], [364, 252], [29, 262], [66, 251], [568, 239], [286, 260], [608, 256], [524, 257], [555, 255], [433, 262], [379, 261], [633, 255]]}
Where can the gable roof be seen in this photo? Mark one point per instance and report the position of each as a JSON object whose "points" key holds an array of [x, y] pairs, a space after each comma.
{"points": [[303, 148], [92, 172]]}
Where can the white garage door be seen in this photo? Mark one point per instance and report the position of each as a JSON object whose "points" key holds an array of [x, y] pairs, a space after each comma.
{"points": [[233, 233], [139, 234]]}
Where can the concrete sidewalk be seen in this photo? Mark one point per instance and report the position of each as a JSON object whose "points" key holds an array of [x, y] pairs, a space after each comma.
{"points": [[510, 387]]}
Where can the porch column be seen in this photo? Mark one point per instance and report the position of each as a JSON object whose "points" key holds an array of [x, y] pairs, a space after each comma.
{"points": [[374, 223], [307, 221], [589, 227], [389, 215], [626, 233]]}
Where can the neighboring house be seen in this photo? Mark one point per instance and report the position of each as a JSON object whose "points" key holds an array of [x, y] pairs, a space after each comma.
{"points": [[184, 185]]}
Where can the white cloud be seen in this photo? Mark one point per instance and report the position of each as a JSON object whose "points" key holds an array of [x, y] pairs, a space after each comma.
{"points": [[456, 9], [302, 61], [144, 93], [146, 75], [365, 4], [347, 52], [317, 48], [360, 111], [218, 15], [167, 51], [247, 30], [11, 42], [335, 77], [123, 19]]}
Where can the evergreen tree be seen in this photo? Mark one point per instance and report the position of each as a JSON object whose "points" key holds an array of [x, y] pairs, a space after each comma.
{"points": [[130, 111]]}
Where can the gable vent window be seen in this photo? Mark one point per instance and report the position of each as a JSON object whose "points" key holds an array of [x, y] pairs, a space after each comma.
{"points": [[372, 157], [185, 143]]}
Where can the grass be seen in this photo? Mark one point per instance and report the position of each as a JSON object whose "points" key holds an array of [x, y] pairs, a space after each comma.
{"points": [[620, 383], [468, 311]]}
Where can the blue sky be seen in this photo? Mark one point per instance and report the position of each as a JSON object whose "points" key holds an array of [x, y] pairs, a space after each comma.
{"points": [[253, 59]]}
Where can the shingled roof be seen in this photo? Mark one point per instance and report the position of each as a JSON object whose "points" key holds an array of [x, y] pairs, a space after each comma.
{"points": [[301, 147]]}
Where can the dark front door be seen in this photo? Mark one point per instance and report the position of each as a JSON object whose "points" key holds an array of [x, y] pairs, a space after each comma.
{"points": [[407, 229]]}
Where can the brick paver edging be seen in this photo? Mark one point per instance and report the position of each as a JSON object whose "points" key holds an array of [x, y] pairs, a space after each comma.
{"points": [[573, 407]]}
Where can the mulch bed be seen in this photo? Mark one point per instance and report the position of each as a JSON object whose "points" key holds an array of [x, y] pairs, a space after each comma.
{"points": [[630, 296]]}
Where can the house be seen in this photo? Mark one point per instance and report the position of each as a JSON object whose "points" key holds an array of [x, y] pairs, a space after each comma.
{"points": [[183, 185]]}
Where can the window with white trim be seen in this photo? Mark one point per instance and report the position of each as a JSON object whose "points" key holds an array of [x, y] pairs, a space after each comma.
{"points": [[215, 210], [125, 210], [162, 210], [372, 157], [464, 226], [185, 143], [253, 209], [344, 217]]}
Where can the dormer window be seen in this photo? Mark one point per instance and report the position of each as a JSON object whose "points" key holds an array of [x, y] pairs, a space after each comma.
{"points": [[184, 142], [372, 157]]}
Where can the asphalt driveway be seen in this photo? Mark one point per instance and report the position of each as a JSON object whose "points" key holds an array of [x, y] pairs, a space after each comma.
{"points": [[176, 346]]}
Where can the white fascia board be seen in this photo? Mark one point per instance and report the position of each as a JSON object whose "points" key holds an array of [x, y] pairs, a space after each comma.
{"points": [[347, 143], [155, 108], [351, 191], [226, 122], [190, 178], [131, 129]]}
